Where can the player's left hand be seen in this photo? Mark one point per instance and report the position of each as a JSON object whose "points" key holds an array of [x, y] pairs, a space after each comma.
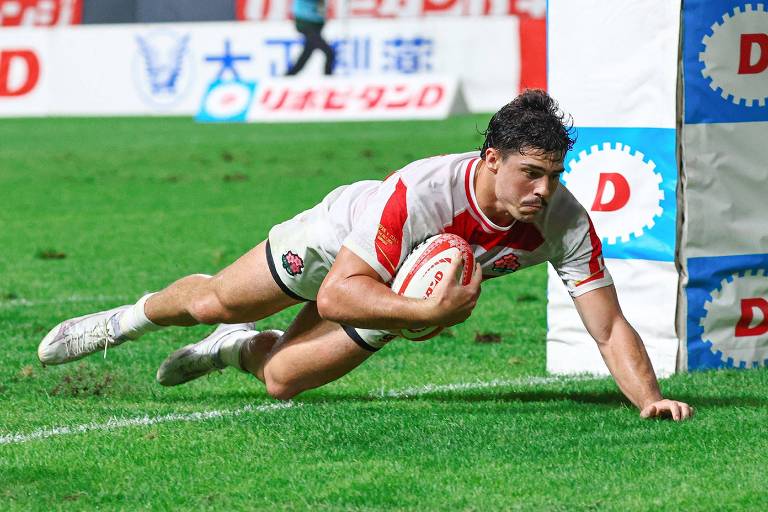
{"points": [[678, 411]]}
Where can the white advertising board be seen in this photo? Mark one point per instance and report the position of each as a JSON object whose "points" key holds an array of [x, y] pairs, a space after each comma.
{"points": [[354, 99], [647, 293], [614, 63], [166, 69], [728, 168], [614, 66], [25, 72]]}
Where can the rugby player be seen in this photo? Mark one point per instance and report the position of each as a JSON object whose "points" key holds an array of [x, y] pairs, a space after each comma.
{"points": [[338, 257]]}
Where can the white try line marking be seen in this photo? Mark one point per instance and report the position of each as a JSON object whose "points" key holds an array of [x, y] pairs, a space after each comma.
{"points": [[26, 303], [471, 386], [143, 421]]}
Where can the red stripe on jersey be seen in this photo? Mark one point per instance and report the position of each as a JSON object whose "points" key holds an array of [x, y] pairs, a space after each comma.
{"points": [[521, 235], [595, 261], [525, 236], [597, 249], [593, 277], [389, 236]]}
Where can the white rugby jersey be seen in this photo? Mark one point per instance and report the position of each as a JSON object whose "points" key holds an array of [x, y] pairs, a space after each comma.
{"points": [[383, 221]]}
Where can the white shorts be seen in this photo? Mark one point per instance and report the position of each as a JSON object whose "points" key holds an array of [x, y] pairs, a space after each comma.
{"points": [[299, 258]]}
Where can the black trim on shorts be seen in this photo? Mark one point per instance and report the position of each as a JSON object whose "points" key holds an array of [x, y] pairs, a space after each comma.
{"points": [[276, 277], [352, 333]]}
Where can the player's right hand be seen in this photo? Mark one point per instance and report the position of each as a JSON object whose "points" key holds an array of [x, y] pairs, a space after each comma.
{"points": [[452, 303], [672, 409]]}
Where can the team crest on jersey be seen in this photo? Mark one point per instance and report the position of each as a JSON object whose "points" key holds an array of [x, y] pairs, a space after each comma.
{"points": [[292, 263], [506, 264]]}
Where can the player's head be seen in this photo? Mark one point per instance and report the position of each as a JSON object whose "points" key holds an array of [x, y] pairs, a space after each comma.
{"points": [[524, 149], [532, 122]]}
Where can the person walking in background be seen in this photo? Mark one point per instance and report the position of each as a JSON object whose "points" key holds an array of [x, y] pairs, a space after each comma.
{"points": [[310, 19]]}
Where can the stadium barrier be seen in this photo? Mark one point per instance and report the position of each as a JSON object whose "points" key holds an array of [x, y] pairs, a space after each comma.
{"points": [[672, 170], [166, 69]]}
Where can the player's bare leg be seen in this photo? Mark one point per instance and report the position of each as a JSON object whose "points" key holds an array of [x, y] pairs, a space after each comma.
{"points": [[311, 353], [244, 291]]}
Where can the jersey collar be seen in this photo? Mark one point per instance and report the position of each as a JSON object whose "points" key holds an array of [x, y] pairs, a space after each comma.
{"points": [[469, 186]]}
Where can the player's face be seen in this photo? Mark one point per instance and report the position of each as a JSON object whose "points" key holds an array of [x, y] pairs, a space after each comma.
{"points": [[525, 182]]}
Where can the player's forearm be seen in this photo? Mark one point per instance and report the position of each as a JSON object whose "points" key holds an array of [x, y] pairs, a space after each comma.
{"points": [[626, 358], [360, 301]]}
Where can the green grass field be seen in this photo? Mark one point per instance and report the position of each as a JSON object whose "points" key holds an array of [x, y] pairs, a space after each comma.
{"points": [[95, 212]]}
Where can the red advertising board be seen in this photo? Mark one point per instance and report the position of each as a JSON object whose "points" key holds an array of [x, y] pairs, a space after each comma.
{"points": [[40, 13], [258, 10], [531, 15]]}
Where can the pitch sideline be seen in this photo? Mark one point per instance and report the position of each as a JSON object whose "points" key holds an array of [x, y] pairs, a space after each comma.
{"points": [[142, 421]]}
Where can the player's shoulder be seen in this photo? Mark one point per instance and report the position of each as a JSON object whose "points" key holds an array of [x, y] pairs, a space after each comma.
{"points": [[441, 162], [437, 170]]}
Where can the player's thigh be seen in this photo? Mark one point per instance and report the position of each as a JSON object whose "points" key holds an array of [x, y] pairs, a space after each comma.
{"points": [[247, 289], [312, 352]]}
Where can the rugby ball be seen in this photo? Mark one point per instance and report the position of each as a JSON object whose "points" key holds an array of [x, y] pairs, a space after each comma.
{"points": [[425, 268]]}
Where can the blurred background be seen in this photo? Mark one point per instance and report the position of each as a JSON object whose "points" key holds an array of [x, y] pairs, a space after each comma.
{"points": [[165, 57]]}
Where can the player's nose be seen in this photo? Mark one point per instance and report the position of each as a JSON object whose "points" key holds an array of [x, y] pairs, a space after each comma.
{"points": [[543, 188]]}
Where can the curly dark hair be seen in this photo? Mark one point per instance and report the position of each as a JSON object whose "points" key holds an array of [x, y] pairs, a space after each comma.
{"points": [[531, 122]]}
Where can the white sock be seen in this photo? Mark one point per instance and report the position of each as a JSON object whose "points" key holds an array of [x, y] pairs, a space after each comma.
{"points": [[229, 350], [134, 323]]}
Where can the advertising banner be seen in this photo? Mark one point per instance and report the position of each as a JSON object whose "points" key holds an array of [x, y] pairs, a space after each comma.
{"points": [[613, 66], [261, 10], [25, 71], [530, 15], [724, 239], [331, 99], [168, 69], [40, 13]]}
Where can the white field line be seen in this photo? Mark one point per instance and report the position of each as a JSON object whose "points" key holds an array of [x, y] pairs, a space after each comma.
{"points": [[142, 421], [471, 386], [26, 303]]}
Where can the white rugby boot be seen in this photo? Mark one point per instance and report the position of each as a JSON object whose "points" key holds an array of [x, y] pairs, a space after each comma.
{"points": [[201, 358], [76, 338]]}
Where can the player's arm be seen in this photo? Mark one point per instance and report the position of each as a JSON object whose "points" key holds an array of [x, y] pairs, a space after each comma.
{"points": [[624, 354], [353, 293]]}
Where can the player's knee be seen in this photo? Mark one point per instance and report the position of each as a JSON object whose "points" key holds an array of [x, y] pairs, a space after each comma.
{"points": [[204, 310], [281, 390], [281, 387]]}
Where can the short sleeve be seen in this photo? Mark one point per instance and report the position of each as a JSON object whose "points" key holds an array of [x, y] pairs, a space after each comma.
{"points": [[582, 268], [382, 235]]}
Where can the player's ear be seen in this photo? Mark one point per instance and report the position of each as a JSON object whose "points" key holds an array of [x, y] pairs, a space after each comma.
{"points": [[492, 159]]}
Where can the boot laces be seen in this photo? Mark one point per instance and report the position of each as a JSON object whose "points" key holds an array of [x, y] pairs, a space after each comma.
{"points": [[90, 339]]}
